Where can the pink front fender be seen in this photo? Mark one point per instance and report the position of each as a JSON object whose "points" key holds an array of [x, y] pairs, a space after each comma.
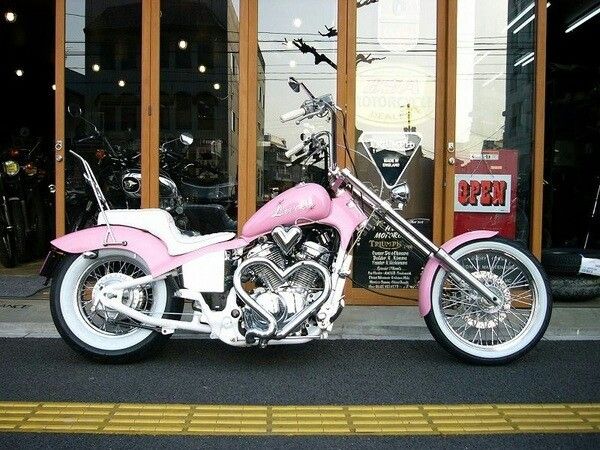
{"points": [[151, 249], [432, 265]]}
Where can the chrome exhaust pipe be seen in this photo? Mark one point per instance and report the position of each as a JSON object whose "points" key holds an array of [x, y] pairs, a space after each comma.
{"points": [[239, 289], [272, 332]]}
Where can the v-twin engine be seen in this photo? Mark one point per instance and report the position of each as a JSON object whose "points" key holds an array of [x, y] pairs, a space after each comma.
{"points": [[287, 280], [304, 278]]}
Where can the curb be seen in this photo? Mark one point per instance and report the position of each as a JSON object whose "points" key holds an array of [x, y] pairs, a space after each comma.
{"points": [[26, 318]]}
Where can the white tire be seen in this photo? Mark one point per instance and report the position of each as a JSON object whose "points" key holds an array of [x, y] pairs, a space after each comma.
{"points": [[106, 335], [479, 331]]}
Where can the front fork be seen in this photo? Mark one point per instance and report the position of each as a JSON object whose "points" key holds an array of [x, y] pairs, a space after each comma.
{"points": [[7, 218], [415, 237]]}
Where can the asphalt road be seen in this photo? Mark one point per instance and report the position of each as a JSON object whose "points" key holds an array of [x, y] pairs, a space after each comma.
{"points": [[323, 372], [523, 441]]}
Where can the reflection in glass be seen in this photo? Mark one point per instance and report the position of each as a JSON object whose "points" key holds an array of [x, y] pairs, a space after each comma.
{"points": [[297, 39], [199, 94], [102, 78], [494, 116], [395, 112]]}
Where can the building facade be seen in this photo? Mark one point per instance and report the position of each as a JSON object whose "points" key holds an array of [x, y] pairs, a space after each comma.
{"points": [[445, 96]]}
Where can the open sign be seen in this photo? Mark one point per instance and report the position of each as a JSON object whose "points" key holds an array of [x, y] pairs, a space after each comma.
{"points": [[484, 193]]}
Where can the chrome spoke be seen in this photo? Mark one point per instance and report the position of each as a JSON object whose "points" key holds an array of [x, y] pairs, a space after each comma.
{"points": [[110, 321], [478, 321]]}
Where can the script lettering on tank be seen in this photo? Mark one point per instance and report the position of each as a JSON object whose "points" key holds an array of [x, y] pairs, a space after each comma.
{"points": [[284, 210]]}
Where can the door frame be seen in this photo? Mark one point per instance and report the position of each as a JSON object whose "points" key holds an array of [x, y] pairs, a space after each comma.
{"points": [[393, 297], [149, 97], [537, 149], [59, 118], [343, 24], [149, 108]]}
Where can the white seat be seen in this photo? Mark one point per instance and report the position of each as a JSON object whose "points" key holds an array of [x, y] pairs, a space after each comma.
{"points": [[160, 223]]}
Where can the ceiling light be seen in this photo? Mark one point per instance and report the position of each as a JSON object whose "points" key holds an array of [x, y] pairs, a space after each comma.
{"points": [[583, 19], [217, 86], [201, 68], [96, 67], [182, 44], [53, 87], [297, 22], [19, 72], [10, 16], [292, 63], [524, 24], [527, 61], [523, 59], [121, 83], [521, 14]]}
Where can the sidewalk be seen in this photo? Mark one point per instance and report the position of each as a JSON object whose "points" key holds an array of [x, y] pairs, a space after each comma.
{"points": [[570, 321]]}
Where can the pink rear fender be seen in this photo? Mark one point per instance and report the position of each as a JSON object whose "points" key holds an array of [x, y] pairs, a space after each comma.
{"points": [[432, 265], [147, 246]]}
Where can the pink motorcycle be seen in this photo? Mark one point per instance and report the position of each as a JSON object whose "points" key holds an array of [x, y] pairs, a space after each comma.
{"points": [[118, 289]]}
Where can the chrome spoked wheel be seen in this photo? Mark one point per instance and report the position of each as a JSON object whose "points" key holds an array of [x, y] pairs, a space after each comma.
{"points": [[101, 275], [100, 332], [481, 330]]}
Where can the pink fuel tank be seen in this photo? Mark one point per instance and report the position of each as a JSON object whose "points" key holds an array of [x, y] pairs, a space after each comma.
{"points": [[306, 202]]}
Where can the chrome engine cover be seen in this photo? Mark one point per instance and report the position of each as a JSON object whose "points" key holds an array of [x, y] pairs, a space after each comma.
{"points": [[283, 304], [283, 298]]}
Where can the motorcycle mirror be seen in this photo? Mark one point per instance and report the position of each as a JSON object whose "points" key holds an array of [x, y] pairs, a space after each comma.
{"points": [[74, 110], [294, 84], [186, 138]]}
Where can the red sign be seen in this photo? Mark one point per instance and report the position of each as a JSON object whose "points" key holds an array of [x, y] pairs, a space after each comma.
{"points": [[485, 193]]}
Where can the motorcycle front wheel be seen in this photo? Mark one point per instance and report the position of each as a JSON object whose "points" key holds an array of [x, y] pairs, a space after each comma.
{"points": [[477, 330], [101, 333]]}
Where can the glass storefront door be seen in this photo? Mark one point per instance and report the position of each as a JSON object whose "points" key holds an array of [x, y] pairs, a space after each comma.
{"points": [[395, 135], [199, 95], [295, 39], [491, 158], [102, 91]]}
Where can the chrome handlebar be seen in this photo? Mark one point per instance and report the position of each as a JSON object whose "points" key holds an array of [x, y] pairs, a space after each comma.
{"points": [[314, 107]]}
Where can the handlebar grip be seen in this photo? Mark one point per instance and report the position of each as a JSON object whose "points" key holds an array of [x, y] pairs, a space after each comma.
{"points": [[296, 113], [295, 149]]}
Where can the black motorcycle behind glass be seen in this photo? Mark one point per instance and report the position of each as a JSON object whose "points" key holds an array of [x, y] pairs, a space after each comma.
{"points": [[118, 170], [25, 227]]}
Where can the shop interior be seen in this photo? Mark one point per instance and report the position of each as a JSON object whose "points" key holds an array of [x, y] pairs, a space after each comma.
{"points": [[27, 132], [572, 169], [572, 146]]}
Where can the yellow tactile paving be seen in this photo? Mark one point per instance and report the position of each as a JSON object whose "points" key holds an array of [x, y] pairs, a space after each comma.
{"points": [[132, 418]]}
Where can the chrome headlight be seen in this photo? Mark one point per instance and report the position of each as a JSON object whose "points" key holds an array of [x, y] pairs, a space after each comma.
{"points": [[401, 193], [11, 167]]}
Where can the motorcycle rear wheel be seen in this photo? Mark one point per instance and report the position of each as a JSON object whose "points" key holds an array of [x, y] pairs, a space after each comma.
{"points": [[106, 335], [479, 331]]}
